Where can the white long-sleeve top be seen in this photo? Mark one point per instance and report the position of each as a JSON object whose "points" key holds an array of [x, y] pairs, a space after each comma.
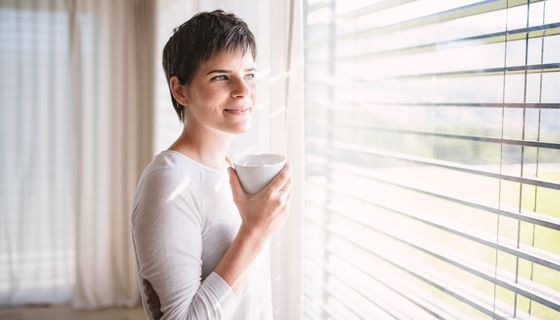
{"points": [[183, 221]]}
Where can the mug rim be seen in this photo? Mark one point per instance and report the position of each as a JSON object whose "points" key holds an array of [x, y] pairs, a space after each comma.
{"points": [[278, 159]]}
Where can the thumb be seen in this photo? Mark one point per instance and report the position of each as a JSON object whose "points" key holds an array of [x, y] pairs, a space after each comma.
{"points": [[236, 188]]}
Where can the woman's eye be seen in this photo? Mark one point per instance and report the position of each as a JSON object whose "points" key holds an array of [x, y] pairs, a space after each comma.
{"points": [[250, 76], [219, 78]]}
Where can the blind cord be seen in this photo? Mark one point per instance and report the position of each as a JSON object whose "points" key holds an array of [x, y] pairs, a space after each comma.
{"points": [[538, 151], [496, 256]]}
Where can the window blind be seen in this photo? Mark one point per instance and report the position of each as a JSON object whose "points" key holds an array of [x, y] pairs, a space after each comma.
{"points": [[432, 159]]}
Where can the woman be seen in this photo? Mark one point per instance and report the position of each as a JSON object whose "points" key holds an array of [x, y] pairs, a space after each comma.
{"points": [[201, 242]]}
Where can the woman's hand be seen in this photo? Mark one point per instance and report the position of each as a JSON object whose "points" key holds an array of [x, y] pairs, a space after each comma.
{"points": [[262, 214], [265, 211]]}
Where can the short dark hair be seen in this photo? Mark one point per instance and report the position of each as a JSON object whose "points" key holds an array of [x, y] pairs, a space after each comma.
{"points": [[199, 39]]}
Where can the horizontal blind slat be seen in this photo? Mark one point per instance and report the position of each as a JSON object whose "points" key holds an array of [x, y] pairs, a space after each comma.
{"points": [[438, 163], [469, 73], [528, 69], [502, 245], [341, 105], [515, 142], [448, 15], [530, 217], [540, 295], [426, 276], [534, 32]]}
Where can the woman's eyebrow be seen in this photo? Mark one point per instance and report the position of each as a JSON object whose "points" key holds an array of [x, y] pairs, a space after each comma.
{"points": [[228, 71], [218, 71]]}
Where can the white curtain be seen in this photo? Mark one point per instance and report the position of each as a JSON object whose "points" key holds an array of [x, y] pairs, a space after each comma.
{"points": [[37, 250], [112, 51], [287, 136], [278, 123], [76, 116]]}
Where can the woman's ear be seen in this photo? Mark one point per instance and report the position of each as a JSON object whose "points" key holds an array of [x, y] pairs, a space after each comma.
{"points": [[178, 91]]}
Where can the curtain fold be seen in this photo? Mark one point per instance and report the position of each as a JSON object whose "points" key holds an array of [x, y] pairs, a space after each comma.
{"points": [[36, 177], [76, 113], [287, 137], [114, 131]]}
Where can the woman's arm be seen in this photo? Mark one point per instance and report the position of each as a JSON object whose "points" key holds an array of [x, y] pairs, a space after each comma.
{"points": [[167, 234], [168, 245], [262, 214]]}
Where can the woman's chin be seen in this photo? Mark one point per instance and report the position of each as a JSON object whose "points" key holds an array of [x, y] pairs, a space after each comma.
{"points": [[241, 128]]}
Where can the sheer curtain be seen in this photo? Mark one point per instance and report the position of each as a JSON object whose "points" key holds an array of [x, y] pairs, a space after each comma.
{"points": [[76, 121], [278, 123], [112, 45], [37, 249]]}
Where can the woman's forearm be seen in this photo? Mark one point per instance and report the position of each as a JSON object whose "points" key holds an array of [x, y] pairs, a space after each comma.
{"points": [[262, 214], [241, 253]]}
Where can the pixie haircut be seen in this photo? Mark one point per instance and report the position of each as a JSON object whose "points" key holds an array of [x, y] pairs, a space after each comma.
{"points": [[198, 40]]}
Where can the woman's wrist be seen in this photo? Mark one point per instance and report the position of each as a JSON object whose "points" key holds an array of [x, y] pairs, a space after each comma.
{"points": [[254, 236]]}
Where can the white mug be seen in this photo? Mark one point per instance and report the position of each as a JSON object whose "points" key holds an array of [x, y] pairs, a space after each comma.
{"points": [[255, 171]]}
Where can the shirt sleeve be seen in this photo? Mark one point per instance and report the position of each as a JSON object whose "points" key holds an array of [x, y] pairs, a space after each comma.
{"points": [[166, 228]]}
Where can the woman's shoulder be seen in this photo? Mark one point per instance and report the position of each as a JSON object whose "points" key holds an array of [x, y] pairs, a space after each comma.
{"points": [[168, 182], [172, 175], [169, 168]]}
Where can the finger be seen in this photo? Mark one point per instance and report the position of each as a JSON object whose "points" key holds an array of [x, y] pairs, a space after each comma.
{"points": [[288, 199], [287, 191], [236, 188], [280, 180], [286, 187]]}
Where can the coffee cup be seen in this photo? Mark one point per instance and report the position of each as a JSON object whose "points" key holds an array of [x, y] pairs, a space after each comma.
{"points": [[255, 171]]}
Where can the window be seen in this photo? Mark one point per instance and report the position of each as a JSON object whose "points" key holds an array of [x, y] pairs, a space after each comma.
{"points": [[37, 248], [433, 159]]}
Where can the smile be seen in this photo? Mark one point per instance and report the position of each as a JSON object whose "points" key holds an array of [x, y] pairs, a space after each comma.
{"points": [[238, 111]]}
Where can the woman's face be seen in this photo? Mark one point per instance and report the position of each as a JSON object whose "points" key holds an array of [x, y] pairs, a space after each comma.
{"points": [[221, 96]]}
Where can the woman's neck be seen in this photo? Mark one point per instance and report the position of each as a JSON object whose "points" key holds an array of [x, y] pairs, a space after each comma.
{"points": [[208, 147]]}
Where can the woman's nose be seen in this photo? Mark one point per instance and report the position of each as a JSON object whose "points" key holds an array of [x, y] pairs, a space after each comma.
{"points": [[240, 88]]}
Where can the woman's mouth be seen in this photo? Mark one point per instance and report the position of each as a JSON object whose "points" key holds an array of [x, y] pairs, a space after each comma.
{"points": [[238, 111]]}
